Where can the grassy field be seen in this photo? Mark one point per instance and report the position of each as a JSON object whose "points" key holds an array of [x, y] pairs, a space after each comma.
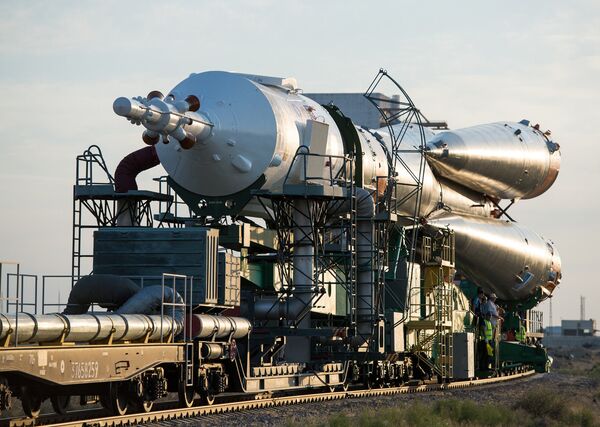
{"points": [[573, 400], [537, 408]]}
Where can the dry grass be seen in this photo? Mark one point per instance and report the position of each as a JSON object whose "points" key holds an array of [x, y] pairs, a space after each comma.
{"points": [[535, 408]]}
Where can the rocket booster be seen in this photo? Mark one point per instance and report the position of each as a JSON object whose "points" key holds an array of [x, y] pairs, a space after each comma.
{"points": [[502, 256], [436, 192], [503, 160]]}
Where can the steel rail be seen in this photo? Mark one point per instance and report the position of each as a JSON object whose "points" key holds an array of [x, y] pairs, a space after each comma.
{"points": [[222, 408]]}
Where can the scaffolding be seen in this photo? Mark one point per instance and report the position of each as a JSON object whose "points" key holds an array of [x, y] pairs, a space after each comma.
{"points": [[96, 204], [401, 115], [320, 211]]}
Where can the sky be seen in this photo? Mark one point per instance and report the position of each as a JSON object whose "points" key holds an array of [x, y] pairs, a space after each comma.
{"points": [[62, 64]]}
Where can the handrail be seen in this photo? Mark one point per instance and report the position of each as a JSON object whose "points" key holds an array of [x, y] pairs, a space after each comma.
{"points": [[303, 151]]}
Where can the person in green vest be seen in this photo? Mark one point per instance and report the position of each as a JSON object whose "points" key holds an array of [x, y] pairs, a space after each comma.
{"points": [[486, 343], [521, 332]]}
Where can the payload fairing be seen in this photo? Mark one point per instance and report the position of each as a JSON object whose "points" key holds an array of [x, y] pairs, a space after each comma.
{"points": [[222, 133]]}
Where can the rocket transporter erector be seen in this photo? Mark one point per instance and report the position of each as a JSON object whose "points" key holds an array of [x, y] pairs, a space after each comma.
{"points": [[222, 133]]}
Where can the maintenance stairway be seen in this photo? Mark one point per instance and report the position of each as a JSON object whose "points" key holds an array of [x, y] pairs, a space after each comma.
{"points": [[430, 306]]}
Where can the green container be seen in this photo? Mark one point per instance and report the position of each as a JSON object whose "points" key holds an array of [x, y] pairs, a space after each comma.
{"points": [[144, 254]]}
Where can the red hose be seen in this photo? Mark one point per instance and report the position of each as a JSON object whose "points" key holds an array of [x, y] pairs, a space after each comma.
{"points": [[131, 165]]}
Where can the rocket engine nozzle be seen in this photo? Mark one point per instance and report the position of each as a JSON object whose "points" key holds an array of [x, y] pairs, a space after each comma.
{"points": [[180, 120]]}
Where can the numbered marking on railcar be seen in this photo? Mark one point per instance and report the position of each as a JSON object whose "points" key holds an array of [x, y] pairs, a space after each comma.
{"points": [[84, 370]]}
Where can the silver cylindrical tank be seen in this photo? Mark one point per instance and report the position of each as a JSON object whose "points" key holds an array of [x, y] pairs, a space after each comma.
{"points": [[504, 160], [208, 326], [212, 350], [259, 123], [501, 256], [82, 328]]}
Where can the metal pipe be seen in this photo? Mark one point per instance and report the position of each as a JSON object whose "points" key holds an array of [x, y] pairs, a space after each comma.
{"points": [[149, 300], [125, 174], [365, 251], [83, 328], [298, 348], [212, 350], [208, 326]]}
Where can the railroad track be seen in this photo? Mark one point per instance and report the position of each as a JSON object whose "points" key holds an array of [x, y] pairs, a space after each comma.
{"points": [[223, 408]]}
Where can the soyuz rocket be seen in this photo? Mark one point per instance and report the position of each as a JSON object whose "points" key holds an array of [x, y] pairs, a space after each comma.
{"points": [[218, 133]]}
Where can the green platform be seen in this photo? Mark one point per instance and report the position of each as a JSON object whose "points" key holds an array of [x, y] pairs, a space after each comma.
{"points": [[517, 353]]}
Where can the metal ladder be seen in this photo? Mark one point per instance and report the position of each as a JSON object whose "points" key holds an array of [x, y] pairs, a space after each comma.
{"points": [[445, 339], [353, 267], [91, 159]]}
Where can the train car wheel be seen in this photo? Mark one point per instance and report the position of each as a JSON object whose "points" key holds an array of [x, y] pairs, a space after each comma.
{"points": [[32, 404], [147, 405], [143, 406], [60, 404], [207, 397], [186, 395], [117, 399]]}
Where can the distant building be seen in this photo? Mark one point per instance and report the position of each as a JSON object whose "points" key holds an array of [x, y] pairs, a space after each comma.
{"points": [[580, 328], [553, 330], [572, 334]]}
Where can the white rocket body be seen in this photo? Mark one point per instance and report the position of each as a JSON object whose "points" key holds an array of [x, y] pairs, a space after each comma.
{"points": [[249, 126], [257, 130]]}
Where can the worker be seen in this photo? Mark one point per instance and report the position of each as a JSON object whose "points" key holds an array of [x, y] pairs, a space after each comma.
{"points": [[491, 309], [486, 343], [521, 332], [477, 302]]}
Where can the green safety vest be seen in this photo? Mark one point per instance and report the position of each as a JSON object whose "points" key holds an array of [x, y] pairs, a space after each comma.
{"points": [[487, 332]]}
